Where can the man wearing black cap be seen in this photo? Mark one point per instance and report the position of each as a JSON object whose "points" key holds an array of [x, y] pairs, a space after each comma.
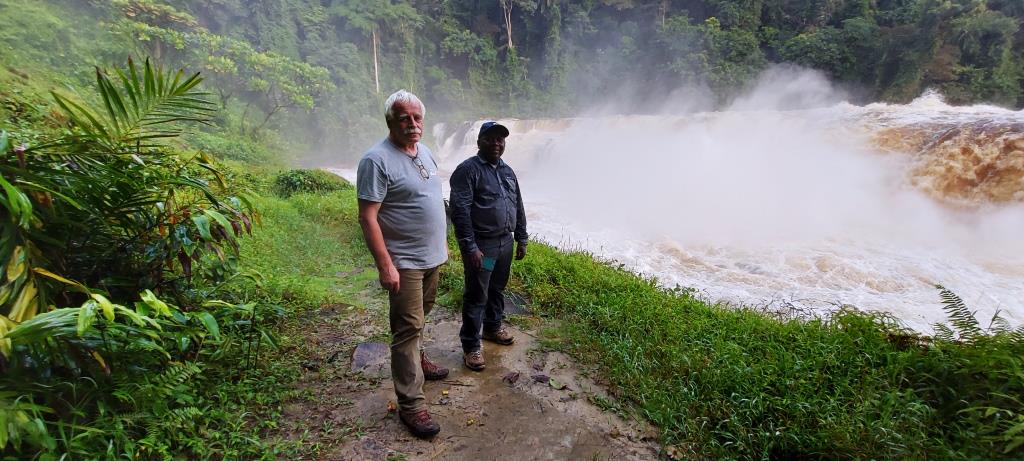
{"points": [[488, 215]]}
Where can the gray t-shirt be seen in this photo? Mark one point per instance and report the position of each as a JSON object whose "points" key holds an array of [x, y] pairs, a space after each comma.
{"points": [[411, 215]]}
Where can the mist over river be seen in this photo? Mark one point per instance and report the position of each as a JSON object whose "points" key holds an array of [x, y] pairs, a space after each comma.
{"points": [[797, 210]]}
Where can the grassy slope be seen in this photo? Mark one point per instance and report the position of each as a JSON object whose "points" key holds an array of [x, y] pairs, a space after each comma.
{"points": [[728, 383], [305, 248], [721, 383]]}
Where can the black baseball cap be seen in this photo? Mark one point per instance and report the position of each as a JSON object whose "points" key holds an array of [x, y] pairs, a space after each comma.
{"points": [[494, 128]]}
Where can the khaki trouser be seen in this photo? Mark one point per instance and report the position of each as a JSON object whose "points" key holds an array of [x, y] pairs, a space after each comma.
{"points": [[409, 308]]}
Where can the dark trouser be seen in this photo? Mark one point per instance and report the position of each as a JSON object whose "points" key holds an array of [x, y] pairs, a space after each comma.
{"points": [[483, 301], [417, 289]]}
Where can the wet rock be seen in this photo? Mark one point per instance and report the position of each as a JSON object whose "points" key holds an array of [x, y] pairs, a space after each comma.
{"points": [[541, 378], [515, 305], [372, 360], [511, 378]]}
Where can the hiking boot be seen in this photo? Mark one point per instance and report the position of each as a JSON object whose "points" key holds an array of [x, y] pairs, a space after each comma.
{"points": [[502, 336], [474, 360], [431, 370], [420, 424]]}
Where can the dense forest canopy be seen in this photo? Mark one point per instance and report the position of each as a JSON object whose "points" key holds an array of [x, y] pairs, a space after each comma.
{"points": [[325, 65]]}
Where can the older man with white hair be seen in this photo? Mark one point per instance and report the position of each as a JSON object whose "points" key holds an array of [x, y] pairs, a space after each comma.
{"points": [[401, 212]]}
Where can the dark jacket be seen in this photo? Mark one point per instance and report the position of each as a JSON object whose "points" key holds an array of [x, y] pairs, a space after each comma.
{"points": [[486, 203]]}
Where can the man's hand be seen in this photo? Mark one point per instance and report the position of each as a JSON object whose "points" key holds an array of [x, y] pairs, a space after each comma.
{"points": [[375, 242], [389, 278], [476, 259], [520, 251]]}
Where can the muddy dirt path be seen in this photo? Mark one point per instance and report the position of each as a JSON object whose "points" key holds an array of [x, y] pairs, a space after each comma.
{"points": [[528, 404]]}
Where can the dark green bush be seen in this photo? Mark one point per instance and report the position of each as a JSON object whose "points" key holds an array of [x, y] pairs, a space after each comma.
{"points": [[116, 245], [309, 181]]}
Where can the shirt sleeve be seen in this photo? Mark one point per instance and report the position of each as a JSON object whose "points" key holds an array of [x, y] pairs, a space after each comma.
{"points": [[462, 182], [520, 234], [371, 180]]}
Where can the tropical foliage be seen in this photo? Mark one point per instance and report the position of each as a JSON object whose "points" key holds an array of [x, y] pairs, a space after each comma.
{"points": [[114, 244]]}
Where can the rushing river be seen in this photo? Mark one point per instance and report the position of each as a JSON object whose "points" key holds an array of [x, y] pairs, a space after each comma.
{"points": [[791, 210]]}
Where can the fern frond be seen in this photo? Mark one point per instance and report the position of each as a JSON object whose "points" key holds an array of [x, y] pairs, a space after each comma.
{"points": [[998, 324], [182, 418], [944, 333], [166, 383], [154, 391], [963, 320], [1017, 336]]}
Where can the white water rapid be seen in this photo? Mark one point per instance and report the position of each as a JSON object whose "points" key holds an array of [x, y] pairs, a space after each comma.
{"points": [[795, 210]]}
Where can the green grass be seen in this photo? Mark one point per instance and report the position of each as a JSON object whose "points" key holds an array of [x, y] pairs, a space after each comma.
{"points": [[735, 384], [310, 249]]}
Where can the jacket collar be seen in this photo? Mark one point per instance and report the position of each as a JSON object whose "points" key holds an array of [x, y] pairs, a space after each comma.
{"points": [[480, 159]]}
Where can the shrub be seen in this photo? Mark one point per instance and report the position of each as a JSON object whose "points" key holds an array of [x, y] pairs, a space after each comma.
{"points": [[101, 229], [309, 181]]}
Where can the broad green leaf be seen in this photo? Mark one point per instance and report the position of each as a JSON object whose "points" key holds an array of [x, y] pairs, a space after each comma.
{"points": [[152, 301], [45, 326], [26, 304], [219, 218], [17, 265], [51, 190], [86, 315], [17, 203], [3, 428], [6, 325], [142, 308], [1017, 441], [106, 305], [203, 224], [217, 303], [184, 342], [210, 323], [136, 318], [58, 278]]}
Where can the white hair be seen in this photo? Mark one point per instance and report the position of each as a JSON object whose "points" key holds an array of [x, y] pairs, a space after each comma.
{"points": [[403, 97]]}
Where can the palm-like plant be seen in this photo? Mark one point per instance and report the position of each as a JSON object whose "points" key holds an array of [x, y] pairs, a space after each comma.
{"points": [[110, 205], [94, 218]]}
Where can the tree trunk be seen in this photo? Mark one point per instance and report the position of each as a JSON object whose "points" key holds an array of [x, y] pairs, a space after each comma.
{"points": [[245, 114], [506, 5], [376, 71]]}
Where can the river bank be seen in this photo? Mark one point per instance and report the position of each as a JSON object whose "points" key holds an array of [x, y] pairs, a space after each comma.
{"points": [[718, 382]]}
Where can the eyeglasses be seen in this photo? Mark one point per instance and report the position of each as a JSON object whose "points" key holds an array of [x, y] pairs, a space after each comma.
{"points": [[423, 170]]}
